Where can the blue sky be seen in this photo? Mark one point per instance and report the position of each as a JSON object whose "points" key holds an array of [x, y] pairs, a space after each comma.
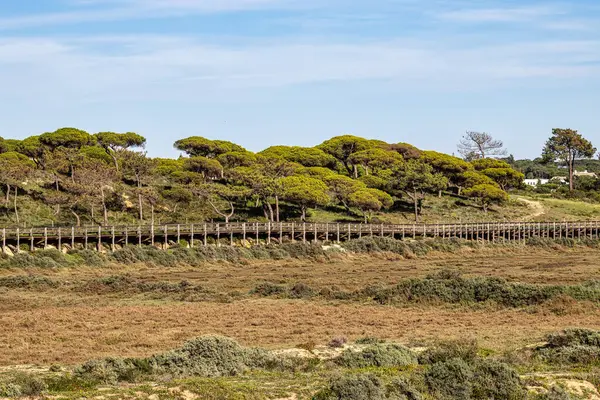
{"points": [[266, 72]]}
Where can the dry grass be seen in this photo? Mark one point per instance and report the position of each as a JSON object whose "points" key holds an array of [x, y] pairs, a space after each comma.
{"points": [[75, 334], [64, 326]]}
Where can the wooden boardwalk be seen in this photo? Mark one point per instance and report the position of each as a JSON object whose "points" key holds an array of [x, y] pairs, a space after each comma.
{"points": [[112, 237]]}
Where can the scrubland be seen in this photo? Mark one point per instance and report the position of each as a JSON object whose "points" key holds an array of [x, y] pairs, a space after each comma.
{"points": [[378, 319]]}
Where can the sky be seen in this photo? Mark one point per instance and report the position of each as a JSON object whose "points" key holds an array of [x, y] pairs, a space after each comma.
{"points": [[297, 72]]}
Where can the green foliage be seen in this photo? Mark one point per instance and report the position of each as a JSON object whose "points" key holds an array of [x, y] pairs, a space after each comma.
{"points": [[452, 379], [444, 351], [343, 147], [198, 146], [66, 137], [305, 191], [306, 156], [572, 346], [354, 387], [487, 195], [377, 355]]}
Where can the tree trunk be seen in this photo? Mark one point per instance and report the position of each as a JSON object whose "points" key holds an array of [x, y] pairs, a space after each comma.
{"points": [[277, 208], [141, 206], [440, 193], [416, 207], [152, 210], [571, 172], [104, 210], [72, 171], [271, 214], [303, 213], [15, 204], [115, 160], [355, 172], [8, 189], [77, 218]]}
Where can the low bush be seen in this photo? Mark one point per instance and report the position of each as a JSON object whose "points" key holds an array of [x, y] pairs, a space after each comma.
{"points": [[377, 355], [354, 387], [465, 350], [208, 356], [450, 379], [28, 282], [572, 346], [496, 380]]}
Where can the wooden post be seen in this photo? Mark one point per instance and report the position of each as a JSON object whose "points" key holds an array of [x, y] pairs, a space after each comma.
{"points": [[45, 238], [86, 238], [218, 228], [360, 231], [205, 236], [381, 234], [178, 234], [192, 236], [338, 233], [349, 232], [316, 233], [18, 240], [126, 236], [280, 232], [152, 234], [166, 239], [244, 232], [304, 232], [139, 233], [32, 240], [414, 231], [257, 234], [327, 232], [59, 240], [293, 232], [371, 229], [112, 238], [72, 238], [231, 236], [99, 238], [269, 233], [3, 240]]}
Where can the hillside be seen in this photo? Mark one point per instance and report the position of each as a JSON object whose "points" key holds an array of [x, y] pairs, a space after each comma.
{"points": [[71, 177]]}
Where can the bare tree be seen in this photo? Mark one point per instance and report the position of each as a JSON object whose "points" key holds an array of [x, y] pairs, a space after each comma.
{"points": [[475, 145]]}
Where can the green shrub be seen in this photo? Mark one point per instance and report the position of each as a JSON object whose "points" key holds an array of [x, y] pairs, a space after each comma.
{"points": [[402, 389], [28, 282], [496, 380], [301, 291], [377, 355], [354, 387], [450, 379], [10, 390], [465, 350], [267, 289], [572, 346]]}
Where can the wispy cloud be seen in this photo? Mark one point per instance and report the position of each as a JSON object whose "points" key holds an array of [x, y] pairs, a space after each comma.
{"points": [[83, 11], [486, 15]]}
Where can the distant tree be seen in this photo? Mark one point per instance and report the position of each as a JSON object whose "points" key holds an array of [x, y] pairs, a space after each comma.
{"points": [[507, 178], [305, 192], [369, 201], [487, 195], [407, 151], [343, 147], [234, 159], [114, 143], [341, 187], [3, 145], [15, 169], [200, 146], [306, 156], [415, 179], [209, 168], [67, 142], [476, 145], [217, 194], [568, 145], [469, 179], [375, 159], [33, 148], [451, 167], [137, 167]]}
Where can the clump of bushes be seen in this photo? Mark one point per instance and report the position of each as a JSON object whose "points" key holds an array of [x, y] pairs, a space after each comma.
{"points": [[28, 282], [21, 385], [446, 287], [208, 356], [377, 355], [367, 387], [572, 346]]}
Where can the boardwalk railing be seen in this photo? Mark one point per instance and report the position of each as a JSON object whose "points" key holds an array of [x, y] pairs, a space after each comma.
{"points": [[203, 234]]}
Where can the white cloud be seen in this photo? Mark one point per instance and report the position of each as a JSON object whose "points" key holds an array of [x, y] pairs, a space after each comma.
{"points": [[112, 10], [184, 69]]}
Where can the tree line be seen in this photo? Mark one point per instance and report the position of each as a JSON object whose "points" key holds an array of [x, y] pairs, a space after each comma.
{"points": [[107, 178]]}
